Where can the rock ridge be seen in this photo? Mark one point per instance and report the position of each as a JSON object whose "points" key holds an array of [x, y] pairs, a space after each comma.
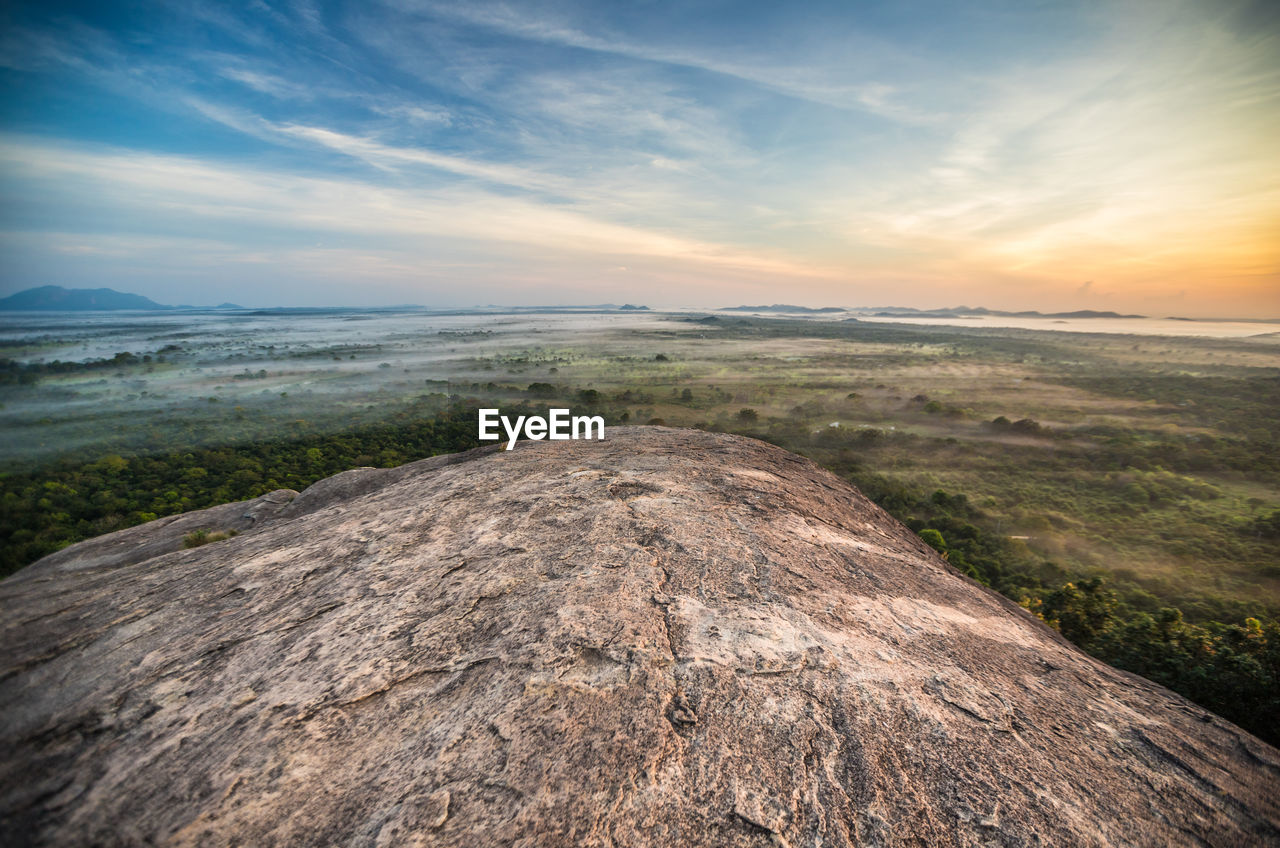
{"points": [[668, 637]]}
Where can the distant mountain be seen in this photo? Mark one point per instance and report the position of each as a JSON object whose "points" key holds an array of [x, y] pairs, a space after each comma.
{"points": [[58, 299], [958, 311], [1090, 313], [780, 307]]}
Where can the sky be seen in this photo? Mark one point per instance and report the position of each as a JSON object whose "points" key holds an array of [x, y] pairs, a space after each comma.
{"points": [[1015, 155]]}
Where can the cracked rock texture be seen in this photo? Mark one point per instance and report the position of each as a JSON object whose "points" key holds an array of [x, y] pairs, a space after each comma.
{"points": [[667, 638]]}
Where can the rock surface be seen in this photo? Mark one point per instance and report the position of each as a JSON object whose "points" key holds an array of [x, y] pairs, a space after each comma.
{"points": [[667, 638]]}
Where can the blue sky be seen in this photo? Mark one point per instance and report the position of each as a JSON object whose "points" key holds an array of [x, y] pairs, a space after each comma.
{"points": [[1021, 155]]}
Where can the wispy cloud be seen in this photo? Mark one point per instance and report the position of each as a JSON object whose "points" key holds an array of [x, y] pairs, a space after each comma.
{"points": [[818, 85], [144, 188], [268, 83], [967, 149]]}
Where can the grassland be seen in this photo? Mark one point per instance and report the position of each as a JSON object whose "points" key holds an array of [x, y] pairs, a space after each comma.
{"points": [[1124, 488], [1147, 459], [1152, 460]]}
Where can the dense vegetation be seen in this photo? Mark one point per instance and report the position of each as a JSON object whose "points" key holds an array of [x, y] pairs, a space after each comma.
{"points": [[1231, 667], [1124, 488], [13, 372], [43, 511]]}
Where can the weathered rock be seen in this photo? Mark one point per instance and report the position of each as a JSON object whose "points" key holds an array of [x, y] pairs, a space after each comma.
{"points": [[155, 538], [667, 638]]}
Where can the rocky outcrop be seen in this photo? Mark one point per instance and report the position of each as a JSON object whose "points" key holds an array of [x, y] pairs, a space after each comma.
{"points": [[666, 638], [165, 535]]}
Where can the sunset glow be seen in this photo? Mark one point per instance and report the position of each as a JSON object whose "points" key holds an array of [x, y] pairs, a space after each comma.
{"points": [[1047, 156]]}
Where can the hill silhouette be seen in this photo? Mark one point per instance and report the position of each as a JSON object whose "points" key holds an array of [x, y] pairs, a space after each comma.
{"points": [[59, 299]]}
